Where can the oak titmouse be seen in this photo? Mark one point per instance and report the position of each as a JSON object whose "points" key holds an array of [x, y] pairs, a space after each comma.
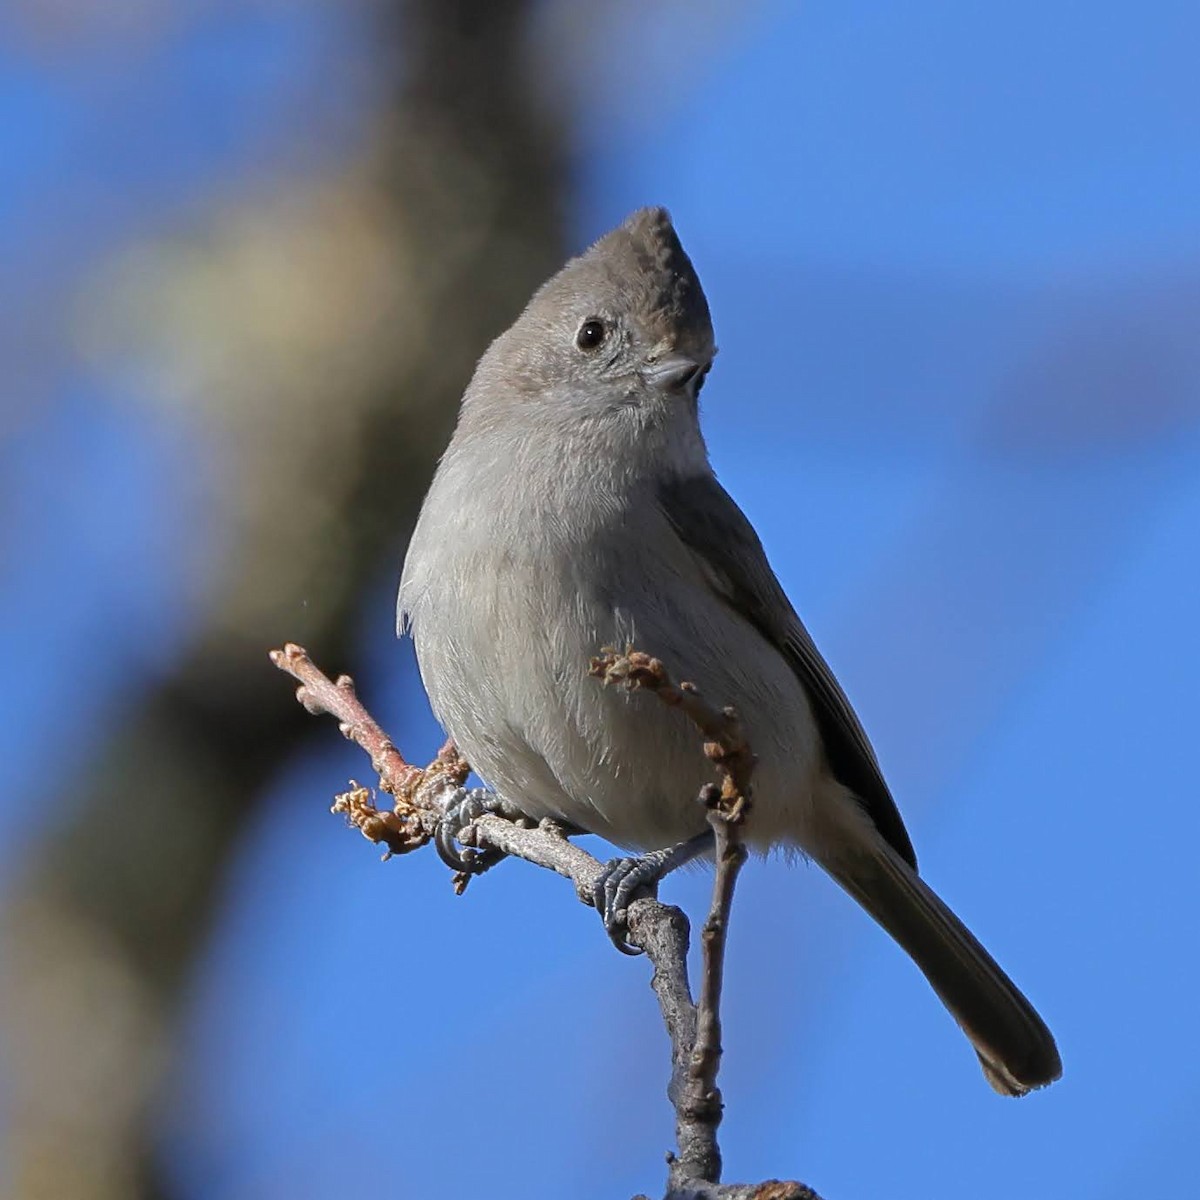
{"points": [[575, 509]]}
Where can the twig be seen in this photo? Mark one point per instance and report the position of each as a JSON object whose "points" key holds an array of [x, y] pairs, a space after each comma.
{"points": [[772, 1189], [661, 930], [726, 744], [421, 795], [698, 1107], [418, 792]]}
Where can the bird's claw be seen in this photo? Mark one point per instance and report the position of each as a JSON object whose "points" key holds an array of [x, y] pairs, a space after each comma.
{"points": [[622, 880], [460, 814], [618, 884]]}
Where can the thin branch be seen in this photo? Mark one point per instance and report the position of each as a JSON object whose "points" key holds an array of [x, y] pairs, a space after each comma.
{"points": [[726, 744], [771, 1189], [698, 1107], [418, 791], [661, 930], [421, 796]]}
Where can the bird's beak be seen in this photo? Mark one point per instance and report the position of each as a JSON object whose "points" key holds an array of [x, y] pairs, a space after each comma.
{"points": [[671, 372]]}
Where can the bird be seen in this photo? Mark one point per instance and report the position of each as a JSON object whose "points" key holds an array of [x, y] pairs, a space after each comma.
{"points": [[575, 508]]}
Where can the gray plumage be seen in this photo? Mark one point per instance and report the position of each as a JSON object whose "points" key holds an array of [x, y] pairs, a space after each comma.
{"points": [[574, 509]]}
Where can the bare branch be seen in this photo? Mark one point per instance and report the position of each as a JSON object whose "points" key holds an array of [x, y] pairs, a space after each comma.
{"points": [[417, 791], [698, 1106], [726, 744], [771, 1189], [421, 796]]}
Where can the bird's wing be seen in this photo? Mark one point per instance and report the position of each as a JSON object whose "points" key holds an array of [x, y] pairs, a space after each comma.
{"points": [[718, 533]]}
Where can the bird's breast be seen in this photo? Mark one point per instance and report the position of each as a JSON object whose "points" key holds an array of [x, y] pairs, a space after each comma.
{"points": [[505, 629]]}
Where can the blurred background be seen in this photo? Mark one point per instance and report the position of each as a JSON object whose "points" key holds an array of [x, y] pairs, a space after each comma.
{"points": [[249, 252]]}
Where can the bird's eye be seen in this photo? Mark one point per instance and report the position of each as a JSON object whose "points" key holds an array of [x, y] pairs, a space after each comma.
{"points": [[591, 334]]}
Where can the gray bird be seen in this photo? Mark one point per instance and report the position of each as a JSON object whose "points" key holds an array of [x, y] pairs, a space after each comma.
{"points": [[575, 509]]}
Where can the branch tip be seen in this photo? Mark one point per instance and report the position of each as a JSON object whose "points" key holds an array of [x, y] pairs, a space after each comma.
{"points": [[309, 702]]}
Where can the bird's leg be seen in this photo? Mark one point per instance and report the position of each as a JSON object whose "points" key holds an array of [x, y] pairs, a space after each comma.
{"points": [[623, 878], [460, 813]]}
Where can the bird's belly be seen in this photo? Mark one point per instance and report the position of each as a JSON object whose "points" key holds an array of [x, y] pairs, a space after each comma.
{"points": [[514, 692]]}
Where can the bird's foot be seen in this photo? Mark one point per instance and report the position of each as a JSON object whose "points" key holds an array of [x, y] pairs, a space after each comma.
{"points": [[623, 879], [451, 837]]}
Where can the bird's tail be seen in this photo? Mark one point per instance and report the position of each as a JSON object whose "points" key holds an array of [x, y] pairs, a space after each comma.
{"points": [[1015, 1047]]}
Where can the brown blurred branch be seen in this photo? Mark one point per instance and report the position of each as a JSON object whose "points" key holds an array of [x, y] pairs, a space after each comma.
{"points": [[661, 930], [343, 316]]}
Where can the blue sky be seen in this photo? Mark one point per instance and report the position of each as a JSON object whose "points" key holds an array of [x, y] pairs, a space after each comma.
{"points": [[953, 255]]}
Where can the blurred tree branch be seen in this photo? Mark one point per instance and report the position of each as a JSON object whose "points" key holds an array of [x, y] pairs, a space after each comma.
{"points": [[465, 198], [662, 931]]}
